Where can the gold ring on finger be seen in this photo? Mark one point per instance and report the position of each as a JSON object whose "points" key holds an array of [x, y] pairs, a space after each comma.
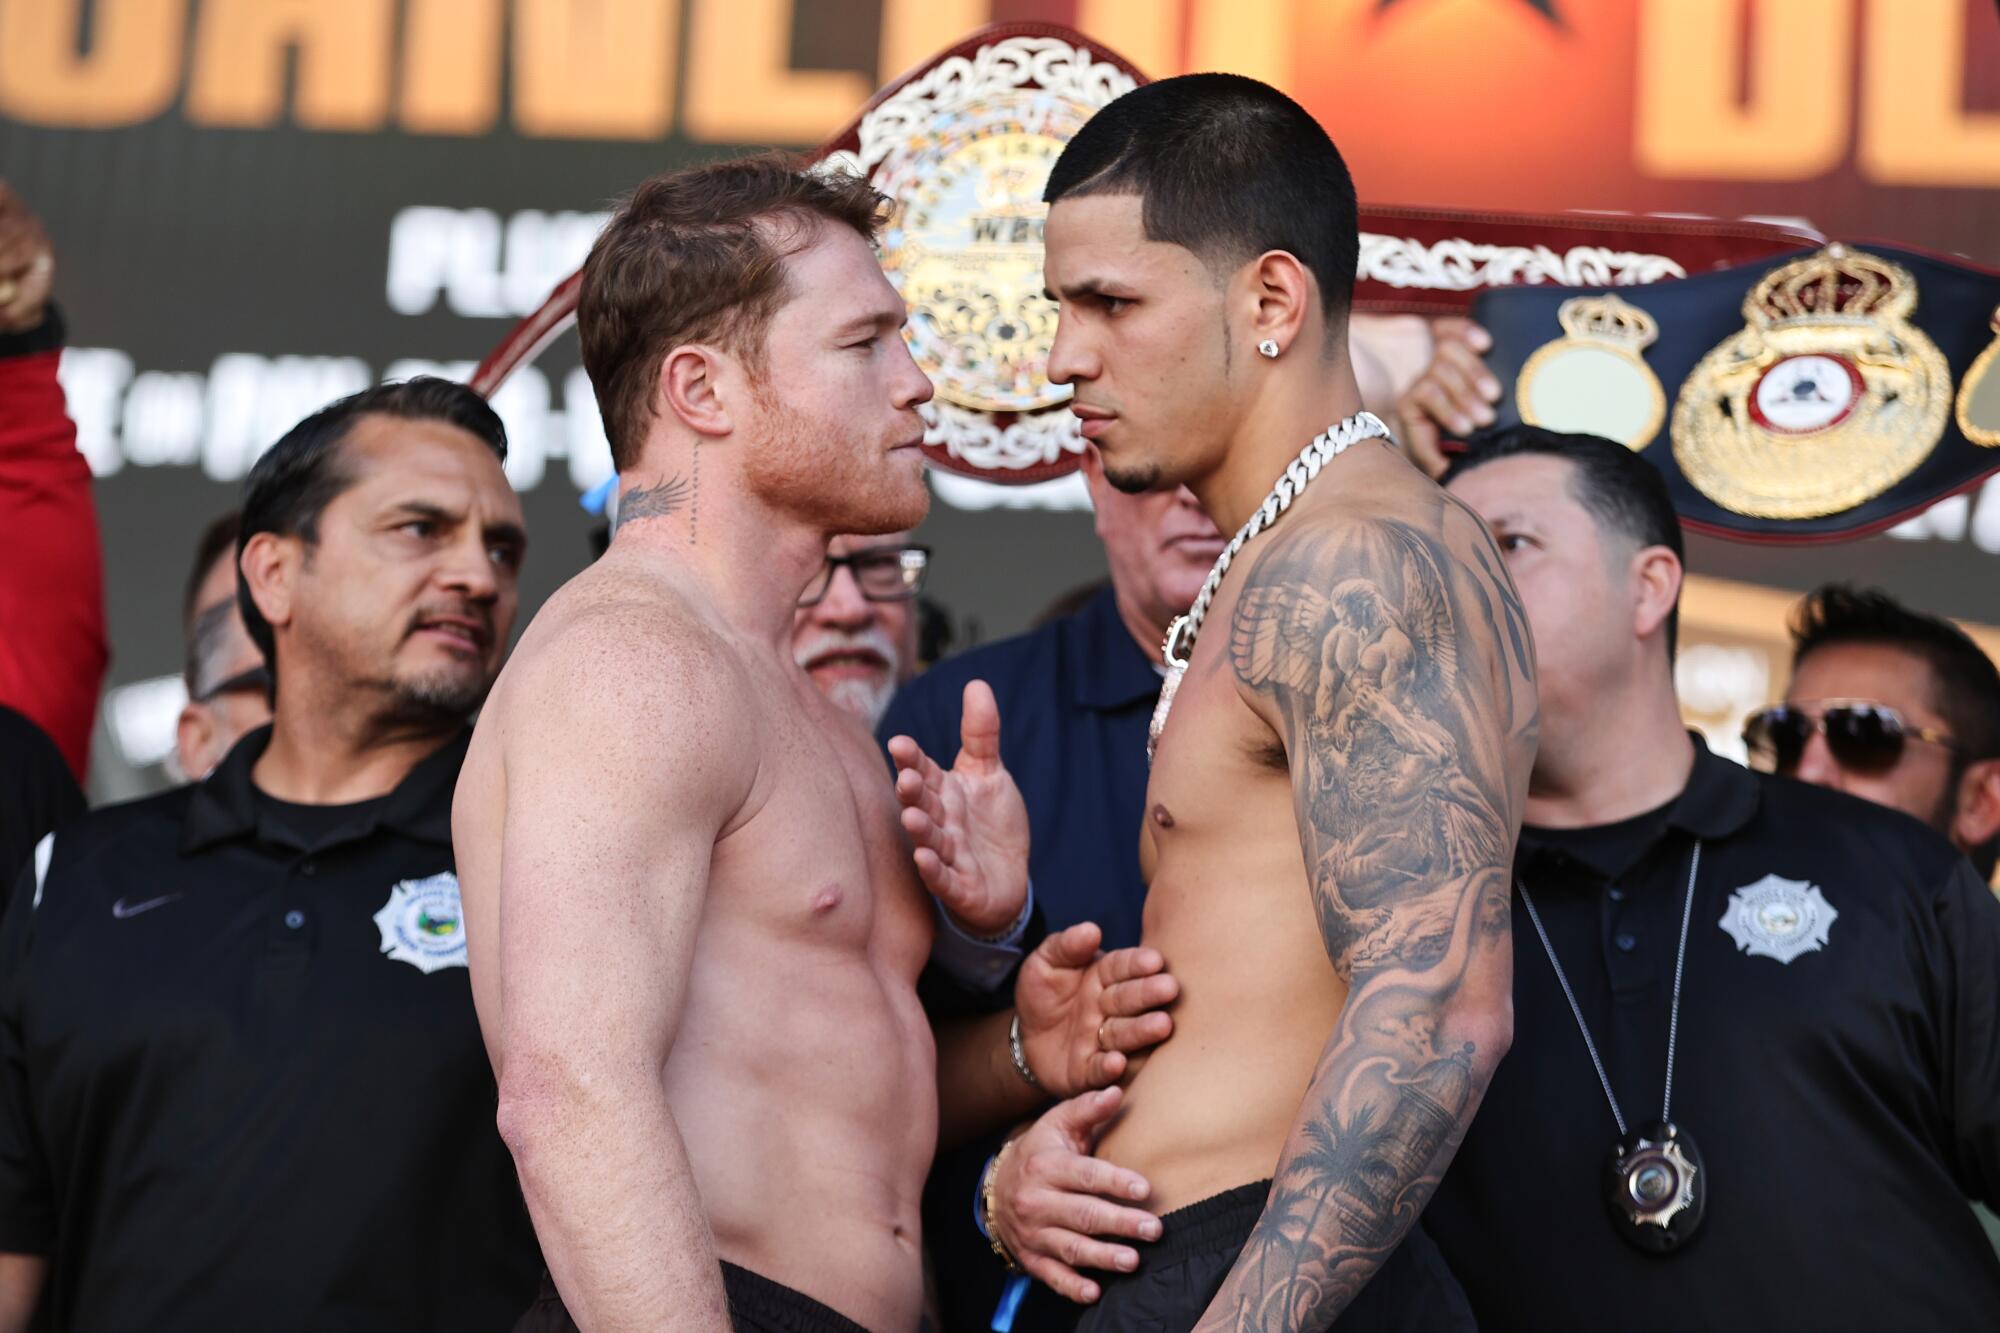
{"points": [[1103, 1045]]}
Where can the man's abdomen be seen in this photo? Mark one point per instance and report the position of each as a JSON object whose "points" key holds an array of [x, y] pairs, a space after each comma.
{"points": [[1209, 1110], [804, 1089]]}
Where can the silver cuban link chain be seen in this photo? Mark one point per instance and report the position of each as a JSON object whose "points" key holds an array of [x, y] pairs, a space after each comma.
{"points": [[1179, 646]]}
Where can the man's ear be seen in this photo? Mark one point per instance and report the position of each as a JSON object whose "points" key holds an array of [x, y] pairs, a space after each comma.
{"points": [[193, 733], [1280, 298], [692, 388], [1977, 817], [1656, 579], [270, 568]]}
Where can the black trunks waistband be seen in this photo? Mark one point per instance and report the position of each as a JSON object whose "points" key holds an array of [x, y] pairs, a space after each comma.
{"points": [[759, 1305], [756, 1305], [1220, 1223]]}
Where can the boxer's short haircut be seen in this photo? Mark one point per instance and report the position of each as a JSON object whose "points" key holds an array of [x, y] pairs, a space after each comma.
{"points": [[1624, 494], [305, 471], [1227, 167], [698, 256]]}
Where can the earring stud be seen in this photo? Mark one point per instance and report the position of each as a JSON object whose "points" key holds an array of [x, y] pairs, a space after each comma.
{"points": [[1269, 347]]}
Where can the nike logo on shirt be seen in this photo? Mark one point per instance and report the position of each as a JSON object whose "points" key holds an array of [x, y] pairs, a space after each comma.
{"points": [[122, 908]]}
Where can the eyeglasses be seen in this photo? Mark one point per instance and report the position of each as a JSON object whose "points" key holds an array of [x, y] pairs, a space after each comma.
{"points": [[256, 678], [882, 573], [1863, 736]]}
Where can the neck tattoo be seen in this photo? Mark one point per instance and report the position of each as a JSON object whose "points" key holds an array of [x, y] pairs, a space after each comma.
{"points": [[1179, 646], [694, 497], [659, 501]]}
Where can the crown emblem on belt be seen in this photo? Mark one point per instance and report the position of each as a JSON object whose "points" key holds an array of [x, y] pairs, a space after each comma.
{"points": [[1828, 396], [1594, 379]]}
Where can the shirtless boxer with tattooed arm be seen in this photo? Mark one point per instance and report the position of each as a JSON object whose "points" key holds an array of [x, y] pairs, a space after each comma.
{"points": [[694, 924], [1335, 796]]}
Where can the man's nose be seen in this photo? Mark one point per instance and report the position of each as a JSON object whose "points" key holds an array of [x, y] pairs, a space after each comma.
{"points": [[469, 568], [1068, 360], [913, 387], [843, 606], [1817, 764]]}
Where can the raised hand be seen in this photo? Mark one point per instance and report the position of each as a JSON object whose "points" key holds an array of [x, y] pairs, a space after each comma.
{"points": [[1456, 392], [27, 265], [968, 822], [1083, 1013], [1053, 1203]]}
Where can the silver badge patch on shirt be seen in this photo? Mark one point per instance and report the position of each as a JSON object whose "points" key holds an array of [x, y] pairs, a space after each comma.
{"points": [[421, 923], [1778, 918]]}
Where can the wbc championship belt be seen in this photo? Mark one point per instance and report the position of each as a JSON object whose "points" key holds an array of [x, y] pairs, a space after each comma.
{"points": [[1815, 397], [962, 146]]}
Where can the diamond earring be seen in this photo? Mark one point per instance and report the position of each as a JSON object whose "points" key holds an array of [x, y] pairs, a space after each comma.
{"points": [[1269, 347]]}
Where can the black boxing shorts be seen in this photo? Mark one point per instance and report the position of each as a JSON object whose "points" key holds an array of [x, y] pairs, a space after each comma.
{"points": [[1179, 1274], [756, 1305]]}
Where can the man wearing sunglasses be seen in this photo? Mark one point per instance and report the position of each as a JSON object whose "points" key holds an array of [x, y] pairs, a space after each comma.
{"points": [[228, 685], [1893, 706], [1801, 984], [855, 631]]}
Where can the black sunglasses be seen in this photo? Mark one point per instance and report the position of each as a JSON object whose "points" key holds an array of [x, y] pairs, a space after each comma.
{"points": [[255, 678], [1862, 736], [883, 573]]}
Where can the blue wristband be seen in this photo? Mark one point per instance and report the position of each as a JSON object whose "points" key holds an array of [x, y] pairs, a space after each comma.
{"points": [[979, 1197]]}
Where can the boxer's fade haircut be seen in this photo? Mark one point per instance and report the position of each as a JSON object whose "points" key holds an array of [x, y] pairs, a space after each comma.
{"points": [[305, 471], [1227, 167], [1623, 493], [698, 256]]}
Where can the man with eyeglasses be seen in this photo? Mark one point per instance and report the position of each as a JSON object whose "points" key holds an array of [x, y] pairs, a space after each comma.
{"points": [[228, 685], [1893, 706], [855, 631]]}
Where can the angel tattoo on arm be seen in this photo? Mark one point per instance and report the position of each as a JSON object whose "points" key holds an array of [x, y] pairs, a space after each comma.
{"points": [[1394, 660]]}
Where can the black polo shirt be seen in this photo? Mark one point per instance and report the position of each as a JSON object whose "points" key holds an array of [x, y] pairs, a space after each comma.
{"points": [[241, 1081], [1838, 1067], [36, 791]]}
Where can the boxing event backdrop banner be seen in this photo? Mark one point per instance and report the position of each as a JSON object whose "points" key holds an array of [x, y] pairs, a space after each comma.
{"points": [[259, 204]]}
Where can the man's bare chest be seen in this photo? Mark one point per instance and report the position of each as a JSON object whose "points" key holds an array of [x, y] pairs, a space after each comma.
{"points": [[821, 852]]}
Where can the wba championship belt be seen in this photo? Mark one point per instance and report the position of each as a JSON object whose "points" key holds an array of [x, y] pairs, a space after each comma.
{"points": [[1815, 397], [962, 146]]}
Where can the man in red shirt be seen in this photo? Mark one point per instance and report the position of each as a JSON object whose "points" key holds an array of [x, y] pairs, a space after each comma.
{"points": [[52, 643]]}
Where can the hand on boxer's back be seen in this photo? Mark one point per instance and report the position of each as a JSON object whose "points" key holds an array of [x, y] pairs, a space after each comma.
{"points": [[968, 822]]}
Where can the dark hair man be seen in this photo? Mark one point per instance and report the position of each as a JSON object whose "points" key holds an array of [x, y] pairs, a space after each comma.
{"points": [[1800, 983], [240, 1072], [228, 685], [694, 926], [1335, 793], [1895, 707]]}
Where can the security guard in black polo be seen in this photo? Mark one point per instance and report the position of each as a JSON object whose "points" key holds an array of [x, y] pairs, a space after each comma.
{"points": [[242, 1084], [1755, 1073]]}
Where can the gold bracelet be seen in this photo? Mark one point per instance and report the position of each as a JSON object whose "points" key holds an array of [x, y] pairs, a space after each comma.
{"points": [[986, 1208]]}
